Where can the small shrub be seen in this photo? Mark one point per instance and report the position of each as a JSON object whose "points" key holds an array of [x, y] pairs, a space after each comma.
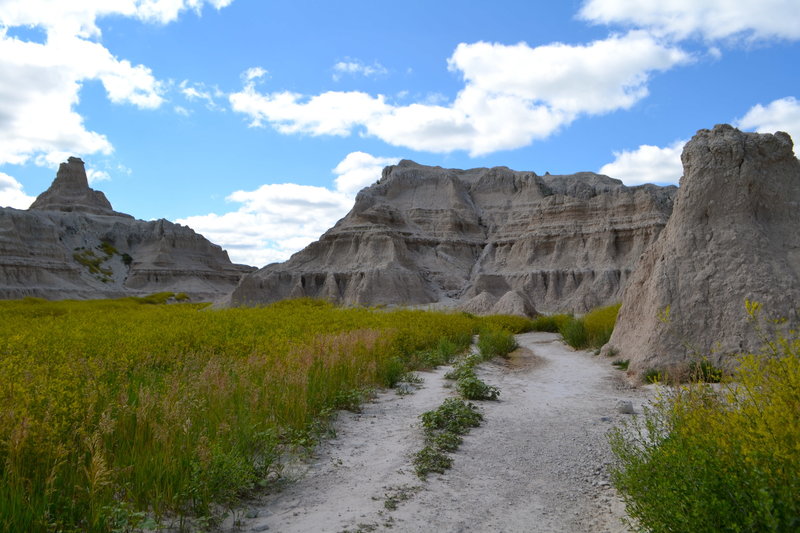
{"points": [[393, 371], [574, 333], [443, 429], [431, 459], [550, 323], [494, 343], [445, 351], [448, 442], [107, 248], [470, 387], [705, 372], [590, 331], [621, 365], [599, 324], [454, 416], [127, 259], [466, 367], [94, 263], [653, 375], [510, 323], [182, 297]]}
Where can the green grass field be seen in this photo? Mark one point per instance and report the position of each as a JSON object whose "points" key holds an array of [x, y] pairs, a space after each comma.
{"points": [[118, 414]]}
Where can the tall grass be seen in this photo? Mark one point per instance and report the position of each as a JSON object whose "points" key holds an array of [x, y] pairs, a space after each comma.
{"points": [[704, 460], [592, 330], [116, 414]]}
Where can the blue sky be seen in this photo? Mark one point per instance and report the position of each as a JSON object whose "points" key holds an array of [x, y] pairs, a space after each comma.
{"points": [[256, 122]]}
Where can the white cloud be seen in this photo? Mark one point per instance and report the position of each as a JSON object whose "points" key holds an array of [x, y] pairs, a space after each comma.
{"points": [[330, 113], [647, 164], [778, 115], [11, 193], [355, 67], [276, 220], [79, 17], [512, 96], [359, 170], [709, 19], [253, 73], [200, 92], [42, 80], [94, 175]]}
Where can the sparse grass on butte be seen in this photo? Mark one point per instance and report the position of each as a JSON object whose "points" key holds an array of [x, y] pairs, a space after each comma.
{"points": [[120, 414]]}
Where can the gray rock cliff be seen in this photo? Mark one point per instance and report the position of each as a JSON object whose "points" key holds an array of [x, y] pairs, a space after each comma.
{"points": [[734, 235], [72, 244], [425, 235], [70, 192]]}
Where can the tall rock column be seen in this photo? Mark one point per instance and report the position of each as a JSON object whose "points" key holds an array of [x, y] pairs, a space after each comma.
{"points": [[734, 235]]}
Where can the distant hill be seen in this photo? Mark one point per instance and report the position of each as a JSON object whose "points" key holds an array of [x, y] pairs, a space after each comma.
{"points": [[430, 235], [72, 244]]}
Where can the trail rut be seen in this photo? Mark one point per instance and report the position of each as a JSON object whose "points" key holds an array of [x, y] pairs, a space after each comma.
{"points": [[538, 463]]}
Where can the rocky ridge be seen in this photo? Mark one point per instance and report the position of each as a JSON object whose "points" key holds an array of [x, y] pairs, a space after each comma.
{"points": [[72, 244], [733, 236], [430, 235]]}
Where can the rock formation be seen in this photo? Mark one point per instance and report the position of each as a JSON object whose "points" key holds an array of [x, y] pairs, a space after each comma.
{"points": [[70, 192], [734, 235], [72, 244], [424, 235]]}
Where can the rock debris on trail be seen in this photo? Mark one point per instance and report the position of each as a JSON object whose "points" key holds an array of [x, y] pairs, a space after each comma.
{"points": [[538, 463]]}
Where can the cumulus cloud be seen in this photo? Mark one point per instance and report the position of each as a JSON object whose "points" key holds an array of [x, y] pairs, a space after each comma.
{"points": [[647, 164], [512, 95], [778, 115], [330, 113], [359, 170], [654, 164], [42, 80], [93, 175], [11, 193], [355, 67], [79, 17], [276, 220], [709, 19]]}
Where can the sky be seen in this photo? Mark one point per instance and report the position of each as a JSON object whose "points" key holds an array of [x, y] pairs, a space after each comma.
{"points": [[256, 122]]}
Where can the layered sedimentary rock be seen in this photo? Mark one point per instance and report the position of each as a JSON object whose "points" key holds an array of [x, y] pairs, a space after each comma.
{"points": [[734, 235], [70, 192], [72, 244], [425, 235]]}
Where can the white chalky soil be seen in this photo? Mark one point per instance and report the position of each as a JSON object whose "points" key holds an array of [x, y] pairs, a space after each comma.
{"points": [[536, 464]]}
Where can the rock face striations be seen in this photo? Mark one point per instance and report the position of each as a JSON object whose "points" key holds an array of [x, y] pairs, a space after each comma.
{"points": [[734, 235], [70, 192], [477, 238], [72, 244]]}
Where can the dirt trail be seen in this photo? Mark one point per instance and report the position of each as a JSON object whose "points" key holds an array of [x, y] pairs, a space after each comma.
{"points": [[536, 464]]}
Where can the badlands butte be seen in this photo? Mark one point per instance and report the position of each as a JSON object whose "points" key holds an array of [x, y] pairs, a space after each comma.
{"points": [[481, 240]]}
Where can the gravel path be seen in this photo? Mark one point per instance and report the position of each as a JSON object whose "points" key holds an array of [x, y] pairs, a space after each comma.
{"points": [[536, 464]]}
